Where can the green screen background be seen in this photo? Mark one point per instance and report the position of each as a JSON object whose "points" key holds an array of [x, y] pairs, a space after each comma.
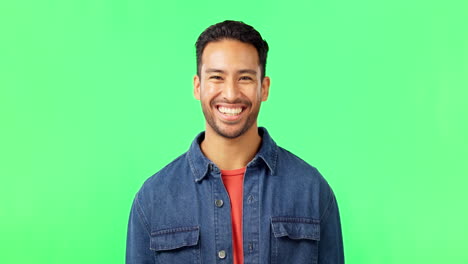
{"points": [[96, 96]]}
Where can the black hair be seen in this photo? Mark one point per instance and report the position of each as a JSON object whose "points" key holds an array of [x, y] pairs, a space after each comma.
{"points": [[235, 30]]}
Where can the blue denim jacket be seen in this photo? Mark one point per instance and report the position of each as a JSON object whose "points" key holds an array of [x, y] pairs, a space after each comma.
{"points": [[182, 213]]}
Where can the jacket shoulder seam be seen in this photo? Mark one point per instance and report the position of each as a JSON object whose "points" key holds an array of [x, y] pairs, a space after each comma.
{"points": [[141, 214]]}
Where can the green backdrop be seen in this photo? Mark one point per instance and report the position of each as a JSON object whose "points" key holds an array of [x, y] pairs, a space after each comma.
{"points": [[96, 96]]}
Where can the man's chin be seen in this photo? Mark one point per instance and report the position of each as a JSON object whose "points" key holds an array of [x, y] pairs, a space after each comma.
{"points": [[230, 132]]}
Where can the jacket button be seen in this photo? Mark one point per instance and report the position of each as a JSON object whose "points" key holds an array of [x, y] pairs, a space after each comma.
{"points": [[222, 254], [219, 203]]}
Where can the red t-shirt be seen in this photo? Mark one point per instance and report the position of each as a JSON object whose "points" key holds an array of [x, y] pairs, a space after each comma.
{"points": [[233, 181]]}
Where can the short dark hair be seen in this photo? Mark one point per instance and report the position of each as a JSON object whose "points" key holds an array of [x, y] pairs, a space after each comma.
{"points": [[235, 30]]}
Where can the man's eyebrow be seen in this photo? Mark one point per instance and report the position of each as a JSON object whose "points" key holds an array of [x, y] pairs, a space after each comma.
{"points": [[249, 71], [254, 72], [214, 70]]}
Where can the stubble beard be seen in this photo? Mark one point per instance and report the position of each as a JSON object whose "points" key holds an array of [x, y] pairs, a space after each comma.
{"points": [[210, 119]]}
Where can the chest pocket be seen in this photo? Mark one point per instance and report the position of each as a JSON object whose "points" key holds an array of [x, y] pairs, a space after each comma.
{"points": [[176, 245], [294, 240]]}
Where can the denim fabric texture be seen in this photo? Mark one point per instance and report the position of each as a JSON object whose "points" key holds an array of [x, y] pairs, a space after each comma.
{"points": [[182, 213]]}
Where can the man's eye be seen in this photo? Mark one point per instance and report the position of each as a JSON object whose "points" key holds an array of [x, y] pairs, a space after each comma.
{"points": [[245, 78], [216, 77]]}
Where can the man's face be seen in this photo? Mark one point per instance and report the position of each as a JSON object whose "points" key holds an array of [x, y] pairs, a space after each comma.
{"points": [[230, 88]]}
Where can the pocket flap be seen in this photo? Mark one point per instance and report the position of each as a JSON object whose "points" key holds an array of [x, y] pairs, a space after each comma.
{"points": [[296, 228], [173, 238]]}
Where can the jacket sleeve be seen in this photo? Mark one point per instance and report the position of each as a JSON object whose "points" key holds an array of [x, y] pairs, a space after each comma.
{"points": [[138, 237], [331, 241]]}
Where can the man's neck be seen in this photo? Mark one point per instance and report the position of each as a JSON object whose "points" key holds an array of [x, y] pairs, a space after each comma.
{"points": [[230, 154]]}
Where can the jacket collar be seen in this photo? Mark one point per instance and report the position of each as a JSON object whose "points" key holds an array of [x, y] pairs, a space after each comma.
{"points": [[201, 165]]}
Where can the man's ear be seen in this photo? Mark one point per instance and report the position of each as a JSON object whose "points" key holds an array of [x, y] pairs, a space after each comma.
{"points": [[265, 88], [196, 87]]}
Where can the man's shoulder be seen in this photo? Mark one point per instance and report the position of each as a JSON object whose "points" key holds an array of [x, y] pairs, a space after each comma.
{"points": [[176, 168], [294, 171], [289, 160]]}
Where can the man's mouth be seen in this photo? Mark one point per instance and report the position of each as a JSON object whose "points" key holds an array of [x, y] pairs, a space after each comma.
{"points": [[230, 111]]}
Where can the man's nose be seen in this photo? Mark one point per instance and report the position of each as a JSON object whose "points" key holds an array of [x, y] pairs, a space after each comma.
{"points": [[231, 90]]}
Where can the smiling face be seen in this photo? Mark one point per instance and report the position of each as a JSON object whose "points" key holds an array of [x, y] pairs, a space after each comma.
{"points": [[230, 88]]}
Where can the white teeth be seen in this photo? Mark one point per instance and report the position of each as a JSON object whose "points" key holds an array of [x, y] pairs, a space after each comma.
{"points": [[230, 111]]}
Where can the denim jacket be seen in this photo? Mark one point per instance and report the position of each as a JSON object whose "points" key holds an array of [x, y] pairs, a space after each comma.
{"points": [[182, 213]]}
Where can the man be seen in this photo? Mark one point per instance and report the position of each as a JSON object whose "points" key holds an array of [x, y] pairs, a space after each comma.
{"points": [[234, 196]]}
